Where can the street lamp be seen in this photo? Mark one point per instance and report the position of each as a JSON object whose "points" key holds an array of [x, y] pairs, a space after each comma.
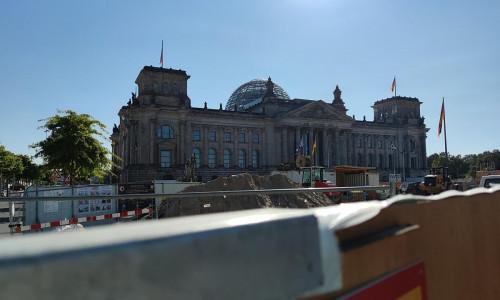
{"points": [[404, 157], [393, 147]]}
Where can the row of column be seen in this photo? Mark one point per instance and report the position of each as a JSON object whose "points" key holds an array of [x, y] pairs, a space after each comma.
{"points": [[331, 145], [337, 146]]}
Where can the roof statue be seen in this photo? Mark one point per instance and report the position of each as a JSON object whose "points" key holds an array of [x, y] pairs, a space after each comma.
{"points": [[269, 89], [337, 100]]}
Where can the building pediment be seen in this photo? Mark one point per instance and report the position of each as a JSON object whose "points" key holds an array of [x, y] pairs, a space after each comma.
{"points": [[317, 110]]}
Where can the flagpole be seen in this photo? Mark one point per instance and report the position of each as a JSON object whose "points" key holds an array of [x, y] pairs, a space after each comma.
{"points": [[445, 142], [395, 87], [161, 57]]}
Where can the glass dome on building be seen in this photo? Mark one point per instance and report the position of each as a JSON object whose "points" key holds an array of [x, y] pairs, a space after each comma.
{"points": [[251, 93]]}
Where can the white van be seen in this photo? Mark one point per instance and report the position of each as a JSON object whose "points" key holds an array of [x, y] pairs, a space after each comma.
{"points": [[489, 180]]}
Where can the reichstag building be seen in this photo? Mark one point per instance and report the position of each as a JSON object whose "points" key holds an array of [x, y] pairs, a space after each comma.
{"points": [[259, 129]]}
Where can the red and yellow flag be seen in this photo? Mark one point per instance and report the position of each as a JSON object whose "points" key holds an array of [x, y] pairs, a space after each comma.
{"points": [[441, 119], [314, 147], [393, 84]]}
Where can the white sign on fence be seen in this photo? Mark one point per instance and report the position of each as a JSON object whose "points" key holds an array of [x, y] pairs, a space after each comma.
{"points": [[394, 177]]}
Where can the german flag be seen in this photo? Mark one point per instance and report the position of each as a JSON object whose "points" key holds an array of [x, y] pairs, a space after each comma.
{"points": [[441, 119]]}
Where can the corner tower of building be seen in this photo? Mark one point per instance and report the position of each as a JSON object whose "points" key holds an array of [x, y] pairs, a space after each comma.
{"points": [[162, 87]]}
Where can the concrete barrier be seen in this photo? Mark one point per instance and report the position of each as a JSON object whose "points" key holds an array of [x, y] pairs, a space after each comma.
{"points": [[261, 254]]}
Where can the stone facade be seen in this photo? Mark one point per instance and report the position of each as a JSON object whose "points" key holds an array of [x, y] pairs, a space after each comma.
{"points": [[159, 131]]}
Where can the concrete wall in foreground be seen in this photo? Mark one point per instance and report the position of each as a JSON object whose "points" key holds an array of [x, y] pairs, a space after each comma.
{"points": [[270, 253]]}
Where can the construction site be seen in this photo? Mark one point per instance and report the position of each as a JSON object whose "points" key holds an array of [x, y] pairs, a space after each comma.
{"points": [[257, 237]]}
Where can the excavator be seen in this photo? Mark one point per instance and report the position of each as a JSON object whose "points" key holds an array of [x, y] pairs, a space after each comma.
{"points": [[435, 182]]}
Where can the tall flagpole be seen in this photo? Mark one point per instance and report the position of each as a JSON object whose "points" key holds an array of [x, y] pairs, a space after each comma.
{"points": [[445, 143], [161, 57]]}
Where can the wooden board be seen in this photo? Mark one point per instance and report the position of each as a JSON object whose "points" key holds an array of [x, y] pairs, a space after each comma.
{"points": [[457, 238]]}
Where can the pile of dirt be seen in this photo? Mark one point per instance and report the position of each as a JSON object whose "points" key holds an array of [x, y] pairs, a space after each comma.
{"points": [[245, 181]]}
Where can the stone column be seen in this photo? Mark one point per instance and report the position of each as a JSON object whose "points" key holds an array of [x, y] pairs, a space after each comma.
{"points": [[152, 129], [250, 147], [126, 147], [349, 147], [204, 151], [284, 145], [325, 147], [365, 150], [310, 142], [423, 154], [386, 153], [133, 141], [182, 142], [337, 147], [220, 143]]}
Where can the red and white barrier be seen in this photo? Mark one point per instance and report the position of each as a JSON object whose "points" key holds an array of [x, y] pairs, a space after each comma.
{"points": [[83, 220]]}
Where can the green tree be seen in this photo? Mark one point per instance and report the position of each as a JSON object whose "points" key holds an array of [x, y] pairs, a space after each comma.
{"points": [[10, 166], [73, 146], [31, 171], [437, 160]]}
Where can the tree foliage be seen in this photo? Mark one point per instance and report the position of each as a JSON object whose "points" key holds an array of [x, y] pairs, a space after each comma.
{"points": [[467, 165], [10, 165], [73, 146]]}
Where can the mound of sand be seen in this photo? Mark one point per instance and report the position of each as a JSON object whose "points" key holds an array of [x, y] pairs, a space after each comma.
{"points": [[245, 181]]}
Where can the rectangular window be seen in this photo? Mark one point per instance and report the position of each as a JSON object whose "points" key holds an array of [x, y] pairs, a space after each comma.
{"points": [[255, 158], [256, 138], [197, 135], [166, 158], [211, 158], [242, 137], [379, 144], [227, 158], [413, 162], [242, 159], [370, 143], [213, 136], [358, 143], [227, 136]]}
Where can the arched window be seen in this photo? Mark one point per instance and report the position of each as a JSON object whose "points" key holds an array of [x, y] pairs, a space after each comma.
{"points": [[155, 86], [164, 88], [211, 158], [166, 132], [255, 158], [242, 162], [196, 152], [175, 90], [227, 158]]}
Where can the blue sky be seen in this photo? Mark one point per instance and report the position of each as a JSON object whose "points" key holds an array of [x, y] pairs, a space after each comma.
{"points": [[85, 56]]}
